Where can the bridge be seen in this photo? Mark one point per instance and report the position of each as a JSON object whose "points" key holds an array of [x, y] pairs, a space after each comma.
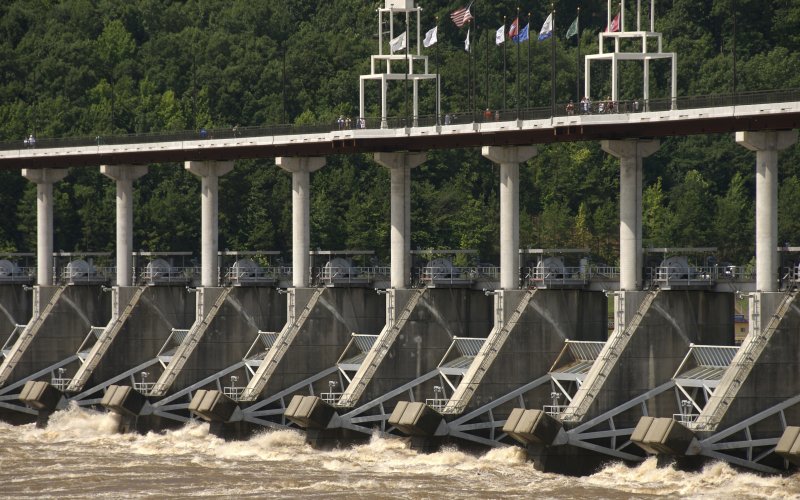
{"points": [[725, 113]]}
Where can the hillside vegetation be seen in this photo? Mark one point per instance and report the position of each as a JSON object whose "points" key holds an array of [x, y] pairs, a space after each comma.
{"points": [[100, 67]]}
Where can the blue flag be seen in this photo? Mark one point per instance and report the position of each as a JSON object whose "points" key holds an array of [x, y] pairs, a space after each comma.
{"points": [[523, 34]]}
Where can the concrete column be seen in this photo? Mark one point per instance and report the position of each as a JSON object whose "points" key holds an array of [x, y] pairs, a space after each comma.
{"points": [[124, 175], [400, 165], [630, 153], [509, 158], [766, 145], [44, 179], [301, 169], [209, 173]]}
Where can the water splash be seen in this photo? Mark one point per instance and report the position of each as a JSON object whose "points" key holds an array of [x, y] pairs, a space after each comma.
{"points": [[80, 455], [242, 312], [77, 309]]}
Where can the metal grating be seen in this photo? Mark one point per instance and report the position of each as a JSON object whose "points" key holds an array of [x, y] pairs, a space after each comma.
{"points": [[585, 350], [267, 338], [178, 335], [718, 356], [364, 342], [468, 346]]}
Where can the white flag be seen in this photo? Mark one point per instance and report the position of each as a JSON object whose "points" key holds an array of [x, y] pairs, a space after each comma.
{"points": [[399, 43], [466, 42], [547, 28], [500, 35], [430, 37]]}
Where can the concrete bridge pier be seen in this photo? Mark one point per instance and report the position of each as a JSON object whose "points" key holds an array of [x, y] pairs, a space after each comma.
{"points": [[509, 158], [630, 153], [44, 179], [301, 169], [766, 145], [123, 176], [209, 172], [400, 165]]}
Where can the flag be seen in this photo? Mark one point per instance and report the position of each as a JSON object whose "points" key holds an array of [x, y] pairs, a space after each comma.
{"points": [[466, 42], [523, 35], [500, 35], [547, 28], [398, 43], [573, 29], [461, 16], [614, 26], [430, 37], [513, 30]]}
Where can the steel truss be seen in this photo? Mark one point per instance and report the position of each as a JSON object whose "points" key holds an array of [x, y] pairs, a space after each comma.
{"points": [[736, 445]]}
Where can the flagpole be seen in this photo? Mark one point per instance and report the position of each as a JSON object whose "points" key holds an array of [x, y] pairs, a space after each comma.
{"points": [[487, 69], [516, 70], [528, 97], [469, 74], [438, 78], [407, 65], [553, 63], [578, 60], [505, 77]]}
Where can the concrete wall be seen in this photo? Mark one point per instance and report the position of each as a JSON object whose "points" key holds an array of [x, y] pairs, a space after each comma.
{"points": [[78, 309], [231, 333], [440, 315], [775, 376], [16, 305], [325, 334], [657, 347], [552, 316], [144, 333]]}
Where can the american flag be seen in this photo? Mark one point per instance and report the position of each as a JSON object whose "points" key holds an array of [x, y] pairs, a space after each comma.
{"points": [[514, 29], [461, 16]]}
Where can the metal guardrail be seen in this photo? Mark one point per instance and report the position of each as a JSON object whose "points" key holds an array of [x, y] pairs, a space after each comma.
{"points": [[456, 118], [60, 383], [330, 397], [685, 418], [554, 410], [343, 275], [144, 387], [437, 404], [233, 392], [262, 274]]}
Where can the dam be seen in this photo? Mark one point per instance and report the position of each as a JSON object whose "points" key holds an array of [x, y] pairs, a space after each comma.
{"points": [[514, 353]]}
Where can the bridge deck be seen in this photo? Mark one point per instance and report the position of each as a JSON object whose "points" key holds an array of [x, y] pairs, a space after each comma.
{"points": [[762, 111]]}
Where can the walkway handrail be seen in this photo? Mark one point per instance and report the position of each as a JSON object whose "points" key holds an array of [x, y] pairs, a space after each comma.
{"points": [[455, 118]]}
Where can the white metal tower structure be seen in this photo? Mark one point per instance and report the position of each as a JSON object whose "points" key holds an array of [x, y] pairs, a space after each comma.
{"points": [[381, 64], [643, 56]]}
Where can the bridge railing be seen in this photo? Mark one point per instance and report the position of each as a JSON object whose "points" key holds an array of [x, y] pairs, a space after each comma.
{"points": [[599, 106]]}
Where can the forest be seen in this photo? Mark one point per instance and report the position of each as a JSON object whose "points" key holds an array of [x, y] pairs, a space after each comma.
{"points": [[103, 67]]}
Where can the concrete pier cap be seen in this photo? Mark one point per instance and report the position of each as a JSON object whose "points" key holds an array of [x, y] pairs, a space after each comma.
{"points": [[209, 173], [44, 179], [124, 175], [509, 158], [766, 145], [400, 165], [300, 168], [630, 153]]}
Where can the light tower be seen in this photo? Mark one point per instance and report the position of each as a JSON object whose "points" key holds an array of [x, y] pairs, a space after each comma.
{"points": [[643, 55], [408, 57]]}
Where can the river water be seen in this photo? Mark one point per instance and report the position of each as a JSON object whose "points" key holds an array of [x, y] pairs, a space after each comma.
{"points": [[79, 456]]}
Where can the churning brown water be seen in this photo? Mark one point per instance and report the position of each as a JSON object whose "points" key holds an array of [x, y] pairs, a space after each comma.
{"points": [[79, 456]]}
